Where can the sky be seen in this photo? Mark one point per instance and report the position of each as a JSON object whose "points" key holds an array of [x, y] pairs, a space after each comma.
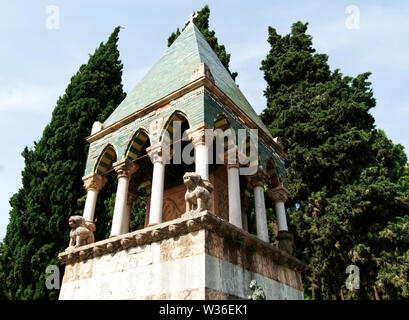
{"points": [[44, 43]]}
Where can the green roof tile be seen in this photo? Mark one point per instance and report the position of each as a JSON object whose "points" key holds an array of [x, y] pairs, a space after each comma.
{"points": [[173, 71]]}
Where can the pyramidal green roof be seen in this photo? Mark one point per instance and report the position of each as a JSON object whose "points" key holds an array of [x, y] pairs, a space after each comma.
{"points": [[173, 71]]}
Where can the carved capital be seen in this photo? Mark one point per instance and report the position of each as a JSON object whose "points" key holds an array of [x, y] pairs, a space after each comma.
{"points": [[125, 168], [159, 153], [278, 194], [94, 182], [258, 179], [201, 135]]}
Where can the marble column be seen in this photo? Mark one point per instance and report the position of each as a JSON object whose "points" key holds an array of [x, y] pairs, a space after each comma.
{"points": [[158, 154], [257, 182], [93, 183], [201, 139], [125, 223], [233, 181], [124, 168], [280, 196]]}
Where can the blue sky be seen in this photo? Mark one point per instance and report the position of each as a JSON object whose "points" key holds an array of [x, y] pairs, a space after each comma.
{"points": [[36, 63]]}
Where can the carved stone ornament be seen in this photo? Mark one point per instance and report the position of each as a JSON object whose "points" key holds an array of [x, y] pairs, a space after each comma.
{"points": [[202, 70], [94, 182], [96, 127], [198, 194], [125, 168], [258, 179], [159, 153], [278, 194], [81, 233], [155, 127]]}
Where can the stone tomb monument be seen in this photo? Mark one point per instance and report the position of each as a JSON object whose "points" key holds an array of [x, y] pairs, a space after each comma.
{"points": [[195, 243]]}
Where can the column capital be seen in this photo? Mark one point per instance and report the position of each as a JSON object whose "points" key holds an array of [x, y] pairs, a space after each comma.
{"points": [[125, 168], [200, 135], [94, 181], [258, 179], [278, 194], [159, 152]]}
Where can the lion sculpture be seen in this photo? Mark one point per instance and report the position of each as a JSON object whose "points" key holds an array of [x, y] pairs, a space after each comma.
{"points": [[198, 194], [81, 233]]}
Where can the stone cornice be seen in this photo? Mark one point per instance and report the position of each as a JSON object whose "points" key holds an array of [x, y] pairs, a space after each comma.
{"points": [[203, 80], [186, 224]]}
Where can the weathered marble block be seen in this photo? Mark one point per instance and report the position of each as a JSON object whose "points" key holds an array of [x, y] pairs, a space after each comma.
{"points": [[198, 256]]}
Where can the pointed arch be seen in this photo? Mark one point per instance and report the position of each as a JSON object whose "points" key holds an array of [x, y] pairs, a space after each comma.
{"points": [[137, 144], [169, 131], [107, 158]]}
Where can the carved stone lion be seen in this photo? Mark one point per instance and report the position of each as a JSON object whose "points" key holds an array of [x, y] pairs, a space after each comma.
{"points": [[198, 194], [81, 233]]}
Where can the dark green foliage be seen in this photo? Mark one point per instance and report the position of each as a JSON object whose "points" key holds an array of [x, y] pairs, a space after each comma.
{"points": [[344, 174], [202, 23], [52, 186], [404, 180]]}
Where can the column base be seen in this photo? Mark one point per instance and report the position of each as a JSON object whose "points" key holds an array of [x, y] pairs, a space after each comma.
{"points": [[286, 241]]}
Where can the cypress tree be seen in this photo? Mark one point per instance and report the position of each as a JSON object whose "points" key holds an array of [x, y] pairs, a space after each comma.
{"points": [[202, 23], [52, 188], [346, 205]]}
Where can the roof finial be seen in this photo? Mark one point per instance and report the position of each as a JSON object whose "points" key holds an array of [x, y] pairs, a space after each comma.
{"points": [[190, 20]]}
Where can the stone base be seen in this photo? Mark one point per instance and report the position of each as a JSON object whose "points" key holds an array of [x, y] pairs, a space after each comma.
{"points": [[195, 257]]}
